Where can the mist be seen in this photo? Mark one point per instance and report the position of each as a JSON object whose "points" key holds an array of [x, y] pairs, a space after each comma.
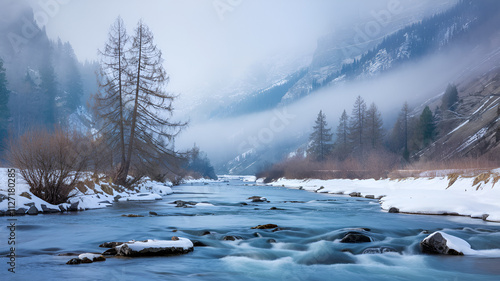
{"points": [[415, 83], [218, 47], [216, 50]]}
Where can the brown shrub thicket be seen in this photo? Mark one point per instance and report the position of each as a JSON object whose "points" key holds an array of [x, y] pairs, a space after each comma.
{"points": [[375, 164], [50, 162]]}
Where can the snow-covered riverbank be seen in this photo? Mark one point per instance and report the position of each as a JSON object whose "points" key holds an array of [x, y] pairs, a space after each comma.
{"points": [[87, 195], [477, 197]]}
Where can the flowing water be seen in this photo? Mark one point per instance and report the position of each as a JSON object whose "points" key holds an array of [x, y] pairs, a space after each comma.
{"points": [[307, 248]]}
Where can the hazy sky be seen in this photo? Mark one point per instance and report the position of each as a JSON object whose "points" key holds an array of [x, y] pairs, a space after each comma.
{"points": [[208, 44]]}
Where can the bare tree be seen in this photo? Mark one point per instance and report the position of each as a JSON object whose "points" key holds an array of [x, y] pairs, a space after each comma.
{"points": [[133, 103], [110, 101]]}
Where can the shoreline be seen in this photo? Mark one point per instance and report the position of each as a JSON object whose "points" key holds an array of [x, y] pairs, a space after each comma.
{"points": [[446, 195]]}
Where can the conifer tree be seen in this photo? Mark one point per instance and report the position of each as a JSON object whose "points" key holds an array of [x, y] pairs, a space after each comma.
{"points": [[320, 141], [374, 130], [357, 126], [427, 126], [342, 144]]}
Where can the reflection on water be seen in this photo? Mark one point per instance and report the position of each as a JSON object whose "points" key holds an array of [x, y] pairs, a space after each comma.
{"points": [[305, 247]]}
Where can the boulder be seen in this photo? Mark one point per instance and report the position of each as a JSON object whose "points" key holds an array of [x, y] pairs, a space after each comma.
{"points": [[355, 194], [153, 213], [231, 238], [49, 210], [393, 210], [109, 252], [74, 261], [74, 206], [183, 204], [155, 248], [265, 226], [370, 196], [86, 260], [355, 237], [271, 241], [258, 199], [199, 244], [32, 211], [21, 212], [443, 244]]}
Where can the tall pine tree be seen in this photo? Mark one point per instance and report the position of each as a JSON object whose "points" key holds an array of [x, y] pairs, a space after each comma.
{"points": [[374, 129], [357, 126], [427, 126], [342, 145], [320, 144]]}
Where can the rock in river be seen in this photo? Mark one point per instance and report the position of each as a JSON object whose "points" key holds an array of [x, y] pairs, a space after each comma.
{"points": [[444, 244], [155, 248], [355, 237], [265, 226]]}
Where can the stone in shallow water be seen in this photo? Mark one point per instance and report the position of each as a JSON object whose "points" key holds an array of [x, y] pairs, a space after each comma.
{"points": [[394, 210], [231, 238], [355, 237], [155, 248], [265, 226], [437, 244]]}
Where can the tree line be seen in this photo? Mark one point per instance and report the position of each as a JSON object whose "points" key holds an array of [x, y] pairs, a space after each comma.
{"points": [[363, 132], [361, 146]]}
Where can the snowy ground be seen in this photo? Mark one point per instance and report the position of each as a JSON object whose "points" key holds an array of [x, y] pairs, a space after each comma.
{"points": [[91, 196], [477, 197]]}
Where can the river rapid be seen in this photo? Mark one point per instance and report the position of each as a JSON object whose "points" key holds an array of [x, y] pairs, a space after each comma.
{"points": [[307, 246]]}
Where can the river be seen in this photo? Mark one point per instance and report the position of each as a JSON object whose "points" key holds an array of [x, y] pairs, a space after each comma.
{"points": [[307, 247]]}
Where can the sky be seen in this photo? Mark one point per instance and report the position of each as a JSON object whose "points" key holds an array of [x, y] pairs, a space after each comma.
{"points": [[212, 47], [209, 44]]}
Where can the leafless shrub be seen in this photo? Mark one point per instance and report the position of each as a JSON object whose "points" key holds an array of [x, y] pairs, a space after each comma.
{"points": [[376, 164], [50, 162]]}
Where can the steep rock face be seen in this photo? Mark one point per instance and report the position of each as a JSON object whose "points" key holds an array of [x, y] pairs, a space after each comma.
{"points": [[476, 130]]}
